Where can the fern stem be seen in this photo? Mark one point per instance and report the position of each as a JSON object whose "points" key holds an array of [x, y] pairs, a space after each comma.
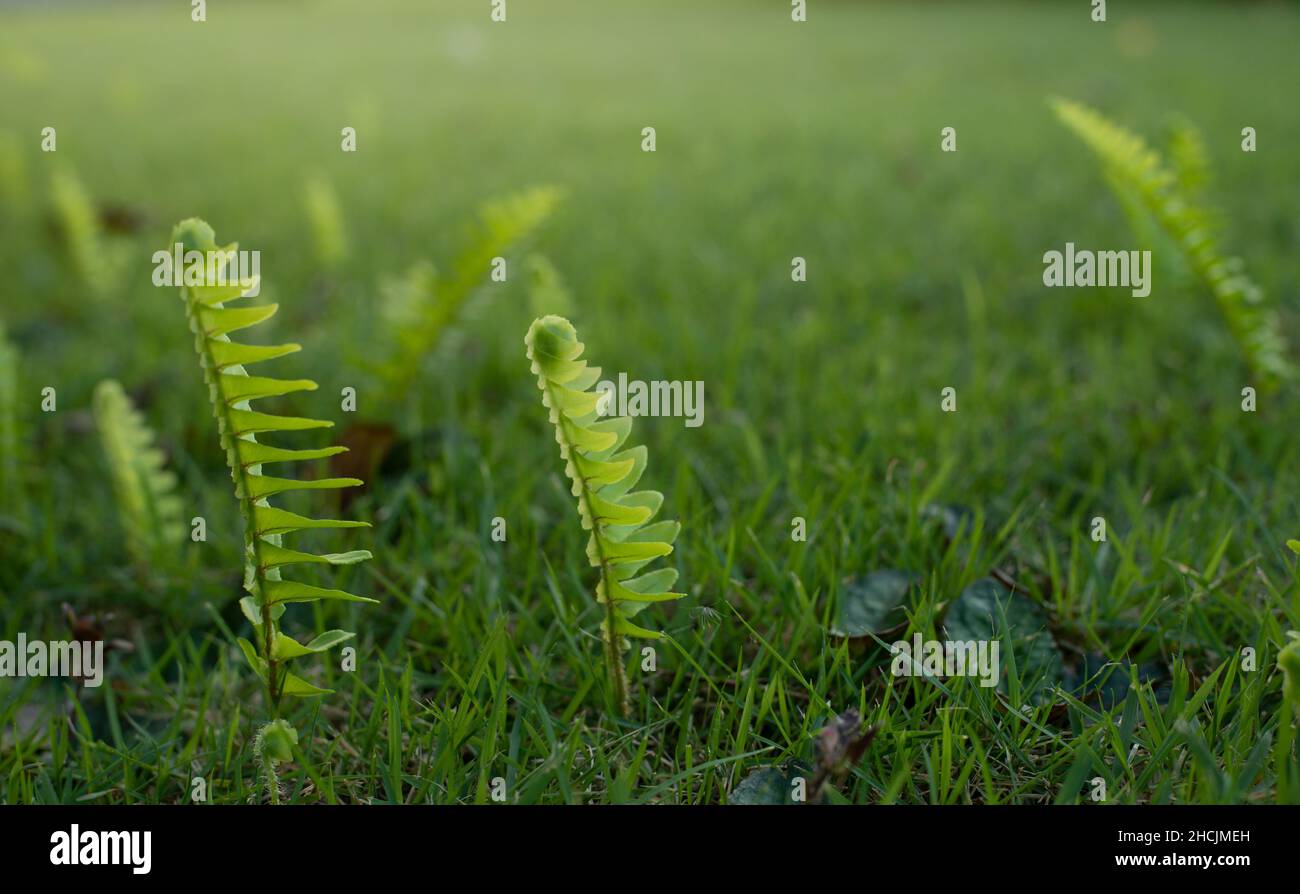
{"points": [[617, 673]]}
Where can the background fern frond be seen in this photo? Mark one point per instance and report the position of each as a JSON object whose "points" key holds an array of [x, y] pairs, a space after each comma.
{"points": [[1170, 195], [148, 506], [83, 236], [232, 390], [425, 305], [602, 473]]}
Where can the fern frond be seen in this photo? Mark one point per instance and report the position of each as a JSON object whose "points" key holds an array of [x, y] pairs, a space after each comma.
{"points": [[1138, 169], [602, 473], [431, 304], [148, 507], [231, 390], [12, 491]]}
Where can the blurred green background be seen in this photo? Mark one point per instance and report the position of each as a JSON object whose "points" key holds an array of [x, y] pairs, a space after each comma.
{"points": [[774, 140]]}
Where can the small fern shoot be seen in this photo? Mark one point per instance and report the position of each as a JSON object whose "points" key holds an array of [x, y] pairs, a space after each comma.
{"points": [[148, 507], [231, 390], [1172, 198], [602, 474]]}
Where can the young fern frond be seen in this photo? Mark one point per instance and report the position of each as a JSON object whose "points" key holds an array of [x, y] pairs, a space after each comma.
{"points": [[148, 507], [602, 474], [1140, 172], [231, 390]]}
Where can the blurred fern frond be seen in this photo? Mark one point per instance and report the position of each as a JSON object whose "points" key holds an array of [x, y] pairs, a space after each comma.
{"points": [[148, 507], [422, 307], [1170, 195]]}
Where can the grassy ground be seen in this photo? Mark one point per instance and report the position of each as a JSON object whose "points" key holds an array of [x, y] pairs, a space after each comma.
{"points": [[822, 398]]}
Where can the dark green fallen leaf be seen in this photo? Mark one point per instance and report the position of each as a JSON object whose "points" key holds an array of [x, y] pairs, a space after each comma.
{"points": [[1108, 682], [767, 786], [978, 615], [873, 603]]}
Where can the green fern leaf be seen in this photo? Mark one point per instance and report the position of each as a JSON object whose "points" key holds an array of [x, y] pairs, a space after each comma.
{"points": [[231, 390], [1170, 195], [147, 504], [602, 473]]}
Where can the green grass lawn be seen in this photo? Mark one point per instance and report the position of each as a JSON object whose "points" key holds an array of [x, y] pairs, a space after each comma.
{"points": [[822, 398]]}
